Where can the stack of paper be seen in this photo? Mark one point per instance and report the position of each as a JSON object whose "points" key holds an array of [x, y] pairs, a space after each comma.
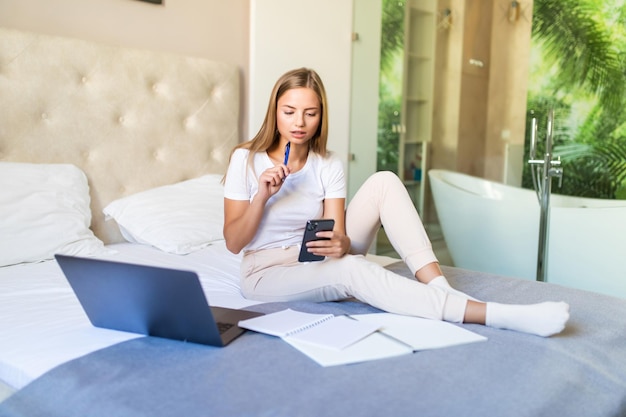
{"points": [[335, 340]]}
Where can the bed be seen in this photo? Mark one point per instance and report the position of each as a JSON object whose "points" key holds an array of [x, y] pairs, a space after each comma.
{"points": [[143, 136]]}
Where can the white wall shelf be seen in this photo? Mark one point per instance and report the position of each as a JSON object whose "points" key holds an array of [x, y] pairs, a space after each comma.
{"points": [[417, 95]]}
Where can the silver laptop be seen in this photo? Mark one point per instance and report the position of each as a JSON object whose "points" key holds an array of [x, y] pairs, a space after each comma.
{"points": [[150, 300]]}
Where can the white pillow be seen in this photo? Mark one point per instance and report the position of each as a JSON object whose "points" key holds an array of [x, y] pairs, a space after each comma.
{"points": [[179, 218], [44, 209]]}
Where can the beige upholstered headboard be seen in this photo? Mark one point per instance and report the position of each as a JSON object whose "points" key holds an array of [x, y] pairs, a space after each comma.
{"points": [[130, 119]]}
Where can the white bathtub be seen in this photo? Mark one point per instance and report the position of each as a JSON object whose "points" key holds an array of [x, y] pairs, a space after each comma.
{"points": [[493, 227]]}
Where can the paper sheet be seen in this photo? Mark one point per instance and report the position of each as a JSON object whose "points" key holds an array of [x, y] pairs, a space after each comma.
{"points": [[419, 333]]}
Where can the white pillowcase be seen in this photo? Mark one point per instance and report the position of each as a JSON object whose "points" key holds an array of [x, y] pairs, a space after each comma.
{"points": [[179, 218], [44, 209]]}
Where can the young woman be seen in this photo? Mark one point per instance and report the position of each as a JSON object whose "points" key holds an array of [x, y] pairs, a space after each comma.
{"points": [[285, 176]]}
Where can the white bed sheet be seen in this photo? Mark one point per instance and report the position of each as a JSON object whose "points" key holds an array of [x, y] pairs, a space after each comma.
{"points": [[42, 324]]}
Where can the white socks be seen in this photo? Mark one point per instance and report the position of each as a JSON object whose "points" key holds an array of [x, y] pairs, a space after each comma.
{"points": [[442, 283], [542, 319]]}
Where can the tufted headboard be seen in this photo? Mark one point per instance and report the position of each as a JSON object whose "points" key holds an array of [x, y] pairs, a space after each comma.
{"points": [[130, 119]]}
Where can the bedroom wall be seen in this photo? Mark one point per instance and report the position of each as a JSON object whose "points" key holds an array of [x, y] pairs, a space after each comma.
{"points": [[284, 36], [212, 29]]}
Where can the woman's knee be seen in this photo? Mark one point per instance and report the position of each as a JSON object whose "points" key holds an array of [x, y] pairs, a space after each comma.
{"points": [[384, 177], [384, 181]]}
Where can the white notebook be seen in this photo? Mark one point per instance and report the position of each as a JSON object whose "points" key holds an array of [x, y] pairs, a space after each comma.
{"points": [[322, 330]]}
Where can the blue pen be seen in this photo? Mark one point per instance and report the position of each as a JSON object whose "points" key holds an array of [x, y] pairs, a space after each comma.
{"points": [[287, 147]]}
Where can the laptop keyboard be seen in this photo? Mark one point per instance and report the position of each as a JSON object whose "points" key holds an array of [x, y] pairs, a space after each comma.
{"points": [[223, 327]]}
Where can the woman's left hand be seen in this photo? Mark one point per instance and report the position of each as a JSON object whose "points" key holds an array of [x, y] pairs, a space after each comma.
{"points": [[337, 245]]}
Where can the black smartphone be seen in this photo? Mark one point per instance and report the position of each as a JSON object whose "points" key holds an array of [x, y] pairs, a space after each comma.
{"points": [[312, 227]]}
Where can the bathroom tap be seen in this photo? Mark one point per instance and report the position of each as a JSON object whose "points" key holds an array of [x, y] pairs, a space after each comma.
{"points": [[546, 169], [556, 170]]}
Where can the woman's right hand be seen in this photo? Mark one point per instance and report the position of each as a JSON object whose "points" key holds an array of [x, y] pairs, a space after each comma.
{"points": [[242, 217], [271, 180]]}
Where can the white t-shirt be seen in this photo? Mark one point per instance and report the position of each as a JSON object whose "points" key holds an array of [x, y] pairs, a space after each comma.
{"points": [[301, 197]]}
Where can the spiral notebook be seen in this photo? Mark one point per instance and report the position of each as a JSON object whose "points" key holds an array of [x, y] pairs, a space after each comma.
{"points": [[323, 330]]}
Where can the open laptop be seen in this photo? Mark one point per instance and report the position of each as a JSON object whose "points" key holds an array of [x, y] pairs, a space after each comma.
{"points": [[150, 300]]}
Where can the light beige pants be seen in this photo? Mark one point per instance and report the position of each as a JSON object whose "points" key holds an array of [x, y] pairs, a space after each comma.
{"points": [[276, 275]]}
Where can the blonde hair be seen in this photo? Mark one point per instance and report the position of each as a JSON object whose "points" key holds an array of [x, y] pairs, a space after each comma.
{"points": [[268, 133]]}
